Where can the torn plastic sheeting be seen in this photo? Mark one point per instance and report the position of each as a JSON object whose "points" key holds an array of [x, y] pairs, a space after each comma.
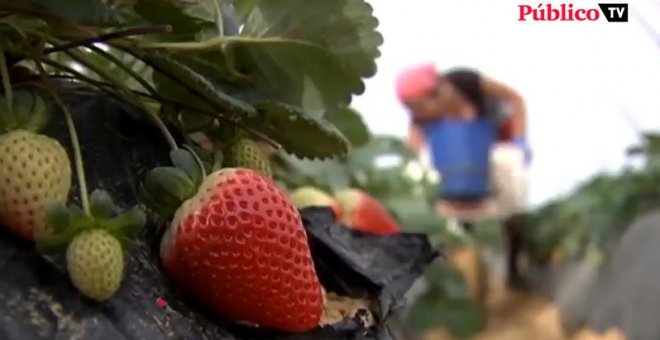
{"points": [[359, 264]]}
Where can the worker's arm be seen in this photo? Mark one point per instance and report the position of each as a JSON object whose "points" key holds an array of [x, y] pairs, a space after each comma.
{"points": [[493, 88], [496, 89], [416, 139]]}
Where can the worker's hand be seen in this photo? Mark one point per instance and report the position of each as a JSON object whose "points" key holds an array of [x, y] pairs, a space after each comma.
{"points": [[521, 142], [416, 140]]}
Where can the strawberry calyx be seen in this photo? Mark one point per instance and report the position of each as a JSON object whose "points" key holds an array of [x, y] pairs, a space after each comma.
{"points": [[166, 188], [68, 221], [28, 111]]}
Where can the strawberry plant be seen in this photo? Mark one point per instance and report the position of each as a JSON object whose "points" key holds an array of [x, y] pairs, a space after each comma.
{"points": [[590, 221], [231, 85], [241, 91]]}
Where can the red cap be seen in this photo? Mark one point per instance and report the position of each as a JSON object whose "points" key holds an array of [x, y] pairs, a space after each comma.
{"points": [[415, 82]]}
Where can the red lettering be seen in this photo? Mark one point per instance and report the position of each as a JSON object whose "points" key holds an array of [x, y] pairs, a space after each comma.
{"points": [[570, 13], [525, 10], [562, 12], [539, 14], [593, 14], [553, 13]]}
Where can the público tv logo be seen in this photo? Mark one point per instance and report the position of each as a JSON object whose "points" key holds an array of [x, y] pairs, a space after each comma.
{"points": [[613, 12]]}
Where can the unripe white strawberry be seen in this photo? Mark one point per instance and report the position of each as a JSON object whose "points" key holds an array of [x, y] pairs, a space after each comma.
{"points": [[35, 172], [95, 263]]}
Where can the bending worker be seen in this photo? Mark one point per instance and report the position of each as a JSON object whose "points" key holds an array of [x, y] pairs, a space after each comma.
{"points": [[431, 96]]}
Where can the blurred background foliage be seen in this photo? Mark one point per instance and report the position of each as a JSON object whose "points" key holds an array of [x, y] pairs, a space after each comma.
{"points": [[585, 223]]}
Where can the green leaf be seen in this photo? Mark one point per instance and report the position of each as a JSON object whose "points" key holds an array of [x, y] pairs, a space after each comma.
{"points": [[118, 74], [218, 158], [184, 27], [29, 111], [214, 65], [186, 161], [40, 114], [463, 318], [299, 134], [126, 243], [351, 125], [127, 224], [7, 121], [653, 141], [80, 220], [423, 315], [80, 11], [172, 181], [208, 11], [58, 241], [296, 73], [101, 204], [310, 54], [166, 188], [448, 302], [156, 205], [22, 104], [52, 244], [327, 174], [176, 80], [190, 20], [194, 122], [58, 217]]}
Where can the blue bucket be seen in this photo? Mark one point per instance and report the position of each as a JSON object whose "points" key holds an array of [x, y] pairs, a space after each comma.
{"points": [[461, 153]]}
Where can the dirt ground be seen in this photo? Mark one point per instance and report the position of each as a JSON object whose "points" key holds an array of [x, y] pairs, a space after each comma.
{"points": [[523, 316]]}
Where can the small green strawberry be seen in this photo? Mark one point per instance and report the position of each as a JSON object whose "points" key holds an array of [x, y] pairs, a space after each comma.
{"points": [[246, 153], [35, 170], [94, 241], [95, 263]]}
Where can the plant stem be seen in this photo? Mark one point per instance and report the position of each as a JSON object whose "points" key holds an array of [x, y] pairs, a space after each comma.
{"points": [[218, 19], [201, 96], [77, 155], [128, 93], [218, 42], [75, 55], [126, 69], [159, 122], [107, 87], [6, 81], [76, 75], [199, 161], [110, 36]]}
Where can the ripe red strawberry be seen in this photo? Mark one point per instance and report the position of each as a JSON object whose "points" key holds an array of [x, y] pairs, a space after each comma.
{"points": [[365, 213], [239, 246], [310, 196]]}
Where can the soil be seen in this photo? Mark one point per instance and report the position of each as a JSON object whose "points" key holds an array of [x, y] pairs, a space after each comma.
{"points": [[521, 316]]}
